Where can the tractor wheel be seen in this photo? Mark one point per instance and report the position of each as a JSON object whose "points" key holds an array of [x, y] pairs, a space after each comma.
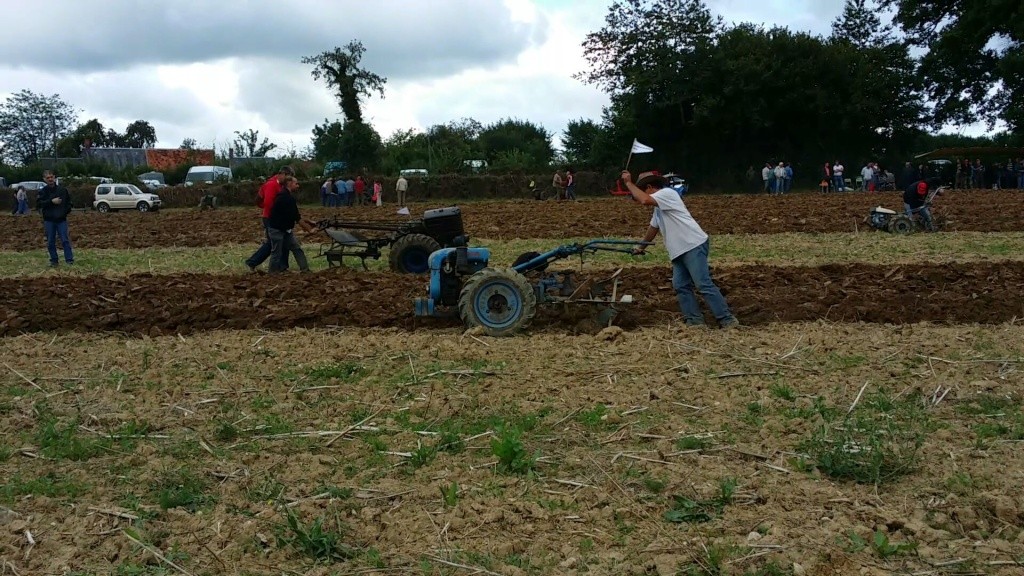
{"points": [[103, 207], [499, 300], [410, 254], [901, 224]]}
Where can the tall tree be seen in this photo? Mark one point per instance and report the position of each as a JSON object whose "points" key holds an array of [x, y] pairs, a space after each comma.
{"points": [[527, 143], [247, 144], [340, 69], [860, 25], [92, 132], [31, 124], [578, 143], [974, 65], [189, 144], [139, 134]]}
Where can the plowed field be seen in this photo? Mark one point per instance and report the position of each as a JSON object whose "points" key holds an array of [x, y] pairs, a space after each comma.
{"points": [[984, 211], [145, 304]]}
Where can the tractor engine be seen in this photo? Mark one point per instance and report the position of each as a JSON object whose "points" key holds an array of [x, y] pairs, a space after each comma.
{"points": [[448, 267]]}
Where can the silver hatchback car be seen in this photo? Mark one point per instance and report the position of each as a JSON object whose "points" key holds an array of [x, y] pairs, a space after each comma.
{"points": [[124, 197]]}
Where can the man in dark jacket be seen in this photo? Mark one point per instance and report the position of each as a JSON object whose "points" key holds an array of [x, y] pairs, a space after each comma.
{"points": [[284, 215], [54, 203], [265, 200], [914, 201]]}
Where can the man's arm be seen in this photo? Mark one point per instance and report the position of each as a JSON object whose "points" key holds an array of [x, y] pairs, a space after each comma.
{"points": [[638, 194], [651, 234]]}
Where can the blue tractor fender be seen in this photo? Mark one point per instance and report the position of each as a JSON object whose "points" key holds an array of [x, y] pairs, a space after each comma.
{"points": [[476, 258]]}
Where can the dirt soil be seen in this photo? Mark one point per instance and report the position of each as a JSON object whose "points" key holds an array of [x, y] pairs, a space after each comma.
{"points": [[980, 210], [147, 304], [123, 455]]}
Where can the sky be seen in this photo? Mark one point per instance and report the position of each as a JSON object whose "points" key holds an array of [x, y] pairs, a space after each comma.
{"points": [[204, 70]]}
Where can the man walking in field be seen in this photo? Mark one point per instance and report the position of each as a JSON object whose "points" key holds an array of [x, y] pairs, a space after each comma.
{"points": [[687, 246], [265, 200]]}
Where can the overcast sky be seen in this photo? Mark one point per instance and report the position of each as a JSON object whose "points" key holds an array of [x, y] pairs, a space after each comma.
{"points": [[202, 69]]}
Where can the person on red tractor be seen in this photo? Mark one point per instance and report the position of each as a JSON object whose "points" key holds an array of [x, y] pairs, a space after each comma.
{"points": [[914, 201]]}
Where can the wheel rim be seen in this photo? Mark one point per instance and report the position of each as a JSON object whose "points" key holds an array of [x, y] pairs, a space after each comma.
{"points": [[104, 208], [498, 304], [415, 260], [143, 207]]}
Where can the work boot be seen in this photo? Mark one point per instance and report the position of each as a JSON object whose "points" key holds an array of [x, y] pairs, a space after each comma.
{"points": [[729, 323]]}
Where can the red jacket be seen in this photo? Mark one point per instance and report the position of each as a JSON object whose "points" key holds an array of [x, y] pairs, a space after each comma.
{"points": [[360, 186], [265, 197]]}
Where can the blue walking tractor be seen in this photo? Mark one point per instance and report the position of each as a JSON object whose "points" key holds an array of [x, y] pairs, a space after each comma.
{"points": [[503, 301]]}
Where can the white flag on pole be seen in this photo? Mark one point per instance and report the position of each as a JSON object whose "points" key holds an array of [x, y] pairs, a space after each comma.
{"points": [[639, 148]]}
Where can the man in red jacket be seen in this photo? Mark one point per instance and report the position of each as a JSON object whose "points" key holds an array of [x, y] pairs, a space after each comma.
{"points": [[265, 200]]}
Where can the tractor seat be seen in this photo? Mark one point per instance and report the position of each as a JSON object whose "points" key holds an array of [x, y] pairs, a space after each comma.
{"points": [[880, 210]]}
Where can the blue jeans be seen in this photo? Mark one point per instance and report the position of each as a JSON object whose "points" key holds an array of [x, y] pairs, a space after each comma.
{"points": [[22, 207], [263, 252], [689, 272], [926, 215], [1020, 180], [839, 183], [53, 229]]}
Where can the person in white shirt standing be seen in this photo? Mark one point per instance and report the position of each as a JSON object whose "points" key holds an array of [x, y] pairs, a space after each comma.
{"points": [[687, 246], [837, 177], [867, 174]]}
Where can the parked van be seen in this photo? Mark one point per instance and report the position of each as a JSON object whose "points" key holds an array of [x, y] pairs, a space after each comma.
{"points": [[411, 172], [207, 175]]}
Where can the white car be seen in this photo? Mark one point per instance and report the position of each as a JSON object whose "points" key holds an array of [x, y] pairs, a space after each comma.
{"points": [[29, 186], [124, 197]]}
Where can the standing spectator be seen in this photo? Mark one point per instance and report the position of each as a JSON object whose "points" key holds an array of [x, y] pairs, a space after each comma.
{"points": [[378, 193], [826, 176], [350, 191], [324, 190], [284, 215], [766, 176], [570, 184], [401, 189], [958, 179], [687, 246], [780, 178], [866, 174], [265, 200], [359, 186], [557, 184], [978, 174], [21, 196], [789, 178], [837, 176], [54, 203]]}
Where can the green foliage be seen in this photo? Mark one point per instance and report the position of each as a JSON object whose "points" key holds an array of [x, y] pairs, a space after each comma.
{"points": [[693, 511], [878, 442], [340, 70], [450, 494], [693, 443], [513, 458], [593, 418], [30, 125], [64, 441], [247, 144], [421, 456], [181, 488], [511, 145], [51, 485], [973, 64], [783, 391], [314, 540], [342, 371]]}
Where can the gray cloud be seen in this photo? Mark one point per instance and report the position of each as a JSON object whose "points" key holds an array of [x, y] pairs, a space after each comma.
{"points": [[403, 38]]}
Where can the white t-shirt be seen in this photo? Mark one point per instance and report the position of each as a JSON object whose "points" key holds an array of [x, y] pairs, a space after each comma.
{"points": [[680, 231], [402, 184], [765, 172], [867, 173], [837, 170]]}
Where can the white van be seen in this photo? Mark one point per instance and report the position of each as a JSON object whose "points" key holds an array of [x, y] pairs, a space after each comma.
{"points": [[207, 175], [413, 172]]}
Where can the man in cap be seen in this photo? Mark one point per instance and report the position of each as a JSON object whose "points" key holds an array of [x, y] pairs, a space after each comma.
{"points": [[687, 246]]}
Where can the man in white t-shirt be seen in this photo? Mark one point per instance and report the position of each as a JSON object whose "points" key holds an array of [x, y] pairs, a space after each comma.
{"points": [[837, 176], [687, 246]]}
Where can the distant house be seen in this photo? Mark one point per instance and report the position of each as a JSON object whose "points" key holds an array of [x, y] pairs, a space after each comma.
{"points": [[160, 159]]}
